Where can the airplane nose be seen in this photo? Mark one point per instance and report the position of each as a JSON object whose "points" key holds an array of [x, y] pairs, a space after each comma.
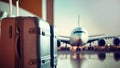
{"points": [[80, 42], [77, 40]]}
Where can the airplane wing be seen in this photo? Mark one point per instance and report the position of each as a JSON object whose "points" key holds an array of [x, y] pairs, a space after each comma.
{"points": [[96, 35], [65, 39], [92, 39]]}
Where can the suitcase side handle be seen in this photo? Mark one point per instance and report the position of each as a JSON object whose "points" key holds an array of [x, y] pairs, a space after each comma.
{"points": [[17, 41], [17, 47], [10, 32]]}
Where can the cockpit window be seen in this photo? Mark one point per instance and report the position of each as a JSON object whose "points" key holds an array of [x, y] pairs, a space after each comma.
{"points": [[78, 32]]}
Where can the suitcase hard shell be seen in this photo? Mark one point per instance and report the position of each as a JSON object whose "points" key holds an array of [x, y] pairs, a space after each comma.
{"points": [[25, 43], [8, 53]]}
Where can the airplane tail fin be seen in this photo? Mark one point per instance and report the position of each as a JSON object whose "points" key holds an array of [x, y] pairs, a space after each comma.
{"points": [[78, 21]]}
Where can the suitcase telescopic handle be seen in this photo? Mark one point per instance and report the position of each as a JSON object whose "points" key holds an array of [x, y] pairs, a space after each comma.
{"points": [[17, 7]]}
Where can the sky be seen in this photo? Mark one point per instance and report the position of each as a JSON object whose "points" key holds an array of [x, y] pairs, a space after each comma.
{"points": [[96, 16]]}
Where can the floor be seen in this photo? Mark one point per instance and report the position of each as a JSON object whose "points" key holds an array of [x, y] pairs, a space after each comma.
{"points": [[88, 59]]}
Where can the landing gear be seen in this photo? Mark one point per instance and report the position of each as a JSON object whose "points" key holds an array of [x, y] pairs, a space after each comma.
{"points": [[90, 47], [78, 49]]}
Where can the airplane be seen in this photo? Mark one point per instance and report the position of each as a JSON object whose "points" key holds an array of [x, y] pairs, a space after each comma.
{"points": [[80, 37]]}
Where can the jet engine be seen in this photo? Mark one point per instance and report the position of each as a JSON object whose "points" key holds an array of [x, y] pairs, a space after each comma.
{"points": [[116, 41], [101, 42]]}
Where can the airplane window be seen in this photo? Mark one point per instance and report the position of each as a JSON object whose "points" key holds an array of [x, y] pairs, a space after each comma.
{"points": [[78, 32]]}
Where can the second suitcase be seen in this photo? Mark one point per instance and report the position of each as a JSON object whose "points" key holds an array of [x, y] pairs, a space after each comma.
{"points": [[35, 42]]}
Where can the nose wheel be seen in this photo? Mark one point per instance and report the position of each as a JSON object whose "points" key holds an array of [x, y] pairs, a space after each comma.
{"points": [[78, 49]]}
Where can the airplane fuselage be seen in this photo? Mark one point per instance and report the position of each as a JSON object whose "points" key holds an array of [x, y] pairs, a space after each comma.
{"points": [[78, 37]]}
